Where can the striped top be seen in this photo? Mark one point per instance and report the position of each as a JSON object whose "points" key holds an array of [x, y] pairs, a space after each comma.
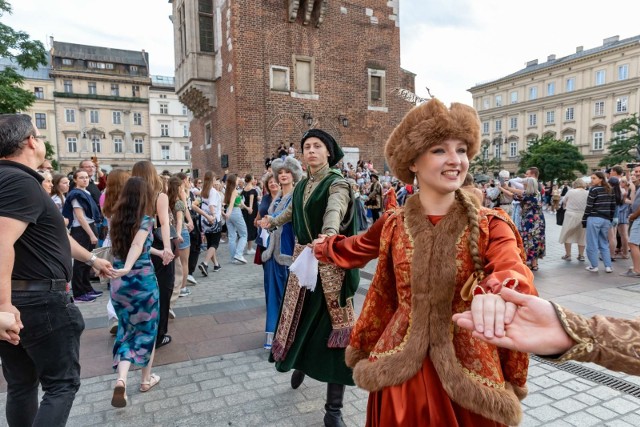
{"points": [[599, 204]]}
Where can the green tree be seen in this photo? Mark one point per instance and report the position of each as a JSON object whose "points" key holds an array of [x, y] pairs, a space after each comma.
{"points": [[625, 146], [555, 159], [482, 164], [26, 54]]}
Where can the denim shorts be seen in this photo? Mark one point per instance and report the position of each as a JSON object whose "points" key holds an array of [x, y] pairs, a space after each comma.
{"points": [[634, 233], [186, 239]]}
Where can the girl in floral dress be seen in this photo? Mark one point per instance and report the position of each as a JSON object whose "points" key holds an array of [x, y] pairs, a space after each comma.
{"points": [[134, 291]]}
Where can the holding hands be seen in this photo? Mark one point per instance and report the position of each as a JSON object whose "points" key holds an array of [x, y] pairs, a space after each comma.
{"points": [[265, 222], [10, 324], [532, 328]]}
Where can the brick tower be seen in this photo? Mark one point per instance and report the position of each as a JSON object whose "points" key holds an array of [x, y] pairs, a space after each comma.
{"points": [[256, 74]]}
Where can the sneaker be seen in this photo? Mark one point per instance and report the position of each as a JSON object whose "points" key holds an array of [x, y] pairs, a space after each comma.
{"points": [[204, 269], [592, 269], [172, 314], [630, 273], [608, 270], [84, 298], [184, 292], [192, 280], [240, 259], [250, 251], [113, 326], [216, 268], [95, 293]]}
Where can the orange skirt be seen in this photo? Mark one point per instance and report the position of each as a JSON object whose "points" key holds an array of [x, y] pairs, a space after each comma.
{"points": [[420, 401]]}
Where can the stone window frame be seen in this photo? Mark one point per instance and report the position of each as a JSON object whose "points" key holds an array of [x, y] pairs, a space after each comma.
{"points": [[381, 103], [138, 142], [40, 120], [72, 140], [118, 144], [312, 65], [92, 88], [164, 145], [94, 116], [288, 78], [208, 135]]}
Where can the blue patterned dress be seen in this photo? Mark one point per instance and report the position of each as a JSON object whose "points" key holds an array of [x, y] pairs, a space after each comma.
{"points": [[135, 298]]}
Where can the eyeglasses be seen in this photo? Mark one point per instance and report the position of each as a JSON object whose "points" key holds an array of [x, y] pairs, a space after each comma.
{"points": [[38, 136]]}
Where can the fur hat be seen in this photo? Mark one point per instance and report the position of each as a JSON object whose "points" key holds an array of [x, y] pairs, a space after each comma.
{"points": [[428, 124], [335, 152], [290, 164]]}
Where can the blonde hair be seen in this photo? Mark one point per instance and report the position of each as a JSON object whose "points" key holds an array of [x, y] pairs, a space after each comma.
{"points": [[530, 186], [474, 232]]}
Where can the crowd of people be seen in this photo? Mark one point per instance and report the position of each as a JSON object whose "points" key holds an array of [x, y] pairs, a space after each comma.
{"points": [[311, 220]]}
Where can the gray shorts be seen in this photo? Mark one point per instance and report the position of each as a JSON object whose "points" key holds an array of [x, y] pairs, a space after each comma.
{"points": [[634, 233]]}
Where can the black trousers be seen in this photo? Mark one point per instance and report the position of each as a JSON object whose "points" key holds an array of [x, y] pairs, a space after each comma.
{"points": [[165, 274], [375, 214], [48, 354], [194, 251], [80, 281]]}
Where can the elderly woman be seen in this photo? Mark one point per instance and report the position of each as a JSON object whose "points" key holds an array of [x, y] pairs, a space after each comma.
{"points": [[278, 253], [575, 201]]}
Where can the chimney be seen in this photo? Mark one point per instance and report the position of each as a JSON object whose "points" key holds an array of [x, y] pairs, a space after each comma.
{"points": [[610, 40], [551, 57], [579, 49], [532, 62]]}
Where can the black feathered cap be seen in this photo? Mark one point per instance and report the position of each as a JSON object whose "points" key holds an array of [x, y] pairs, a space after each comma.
{"points": [[335, 152]]}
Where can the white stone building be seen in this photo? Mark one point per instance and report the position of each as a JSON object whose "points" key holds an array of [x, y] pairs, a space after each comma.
{"points": [[169, 123]]}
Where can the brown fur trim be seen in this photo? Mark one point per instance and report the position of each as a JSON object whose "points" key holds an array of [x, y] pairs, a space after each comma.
{"points": [[353, 355], [428, 124], [521, 392], [433, 279]]}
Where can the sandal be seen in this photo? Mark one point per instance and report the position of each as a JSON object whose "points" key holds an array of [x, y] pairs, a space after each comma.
{"points": [[119, 399], [567, 257], [145, 386], [534, 268], [166, 339], [581, 258]]}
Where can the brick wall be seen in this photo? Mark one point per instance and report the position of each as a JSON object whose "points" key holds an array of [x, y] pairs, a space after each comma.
{"points": [[251, 120]]}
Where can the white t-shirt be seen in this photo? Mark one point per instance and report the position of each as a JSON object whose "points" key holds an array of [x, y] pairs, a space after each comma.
{"points": [[215, 203], [76, 204]]}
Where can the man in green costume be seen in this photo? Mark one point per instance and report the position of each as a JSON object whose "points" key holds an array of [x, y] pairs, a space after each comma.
{"points": [[314, 326]]}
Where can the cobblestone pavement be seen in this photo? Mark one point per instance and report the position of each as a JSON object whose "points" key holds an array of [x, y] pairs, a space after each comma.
{"points": [[238, 387]]}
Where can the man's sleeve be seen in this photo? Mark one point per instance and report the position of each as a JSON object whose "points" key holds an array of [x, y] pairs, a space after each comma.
{"points": [[21, 199]]}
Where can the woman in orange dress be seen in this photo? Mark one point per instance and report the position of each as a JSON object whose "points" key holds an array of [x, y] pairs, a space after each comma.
{"points": [[435, 254]]}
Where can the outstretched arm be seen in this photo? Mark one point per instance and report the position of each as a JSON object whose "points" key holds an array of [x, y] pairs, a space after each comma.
{"points": [[544, 328]]}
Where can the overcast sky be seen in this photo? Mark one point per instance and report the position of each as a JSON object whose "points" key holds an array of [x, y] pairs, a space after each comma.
{"points": [[451, 45]]}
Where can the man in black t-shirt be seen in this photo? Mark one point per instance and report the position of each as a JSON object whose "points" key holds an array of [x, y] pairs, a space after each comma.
{"points": [[35, 268]]}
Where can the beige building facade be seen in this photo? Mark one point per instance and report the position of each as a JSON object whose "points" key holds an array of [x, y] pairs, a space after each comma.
{"points": [[42, 111], [575, 98], [101, 104]]}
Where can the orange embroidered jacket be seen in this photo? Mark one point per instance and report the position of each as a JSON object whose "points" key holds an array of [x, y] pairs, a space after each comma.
{"points": [[417, 287]]}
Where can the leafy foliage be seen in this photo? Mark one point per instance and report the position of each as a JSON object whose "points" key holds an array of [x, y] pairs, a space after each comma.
{"points": [[554, 158], [25, 54], [625, 146]]}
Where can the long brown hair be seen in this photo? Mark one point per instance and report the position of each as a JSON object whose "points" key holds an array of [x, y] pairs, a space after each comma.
{"points": [[232, 181], [145, 170], [207, 183], [603, 181], [55, 191], [127, 215], [173, 191], [115, 183]]}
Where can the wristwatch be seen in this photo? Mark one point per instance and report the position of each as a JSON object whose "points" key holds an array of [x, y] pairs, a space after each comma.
{"points": [[91, 260]]}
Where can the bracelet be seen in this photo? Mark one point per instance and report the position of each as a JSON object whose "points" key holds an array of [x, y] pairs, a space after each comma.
{"points": [[91, 260]]}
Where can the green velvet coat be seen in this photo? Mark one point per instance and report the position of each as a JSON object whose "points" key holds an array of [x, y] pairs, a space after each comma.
{"points": [[309, 352]]}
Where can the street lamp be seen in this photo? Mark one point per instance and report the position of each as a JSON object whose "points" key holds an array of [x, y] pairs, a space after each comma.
{"points": [[308, 118], [95, 135], [343, 120]]}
